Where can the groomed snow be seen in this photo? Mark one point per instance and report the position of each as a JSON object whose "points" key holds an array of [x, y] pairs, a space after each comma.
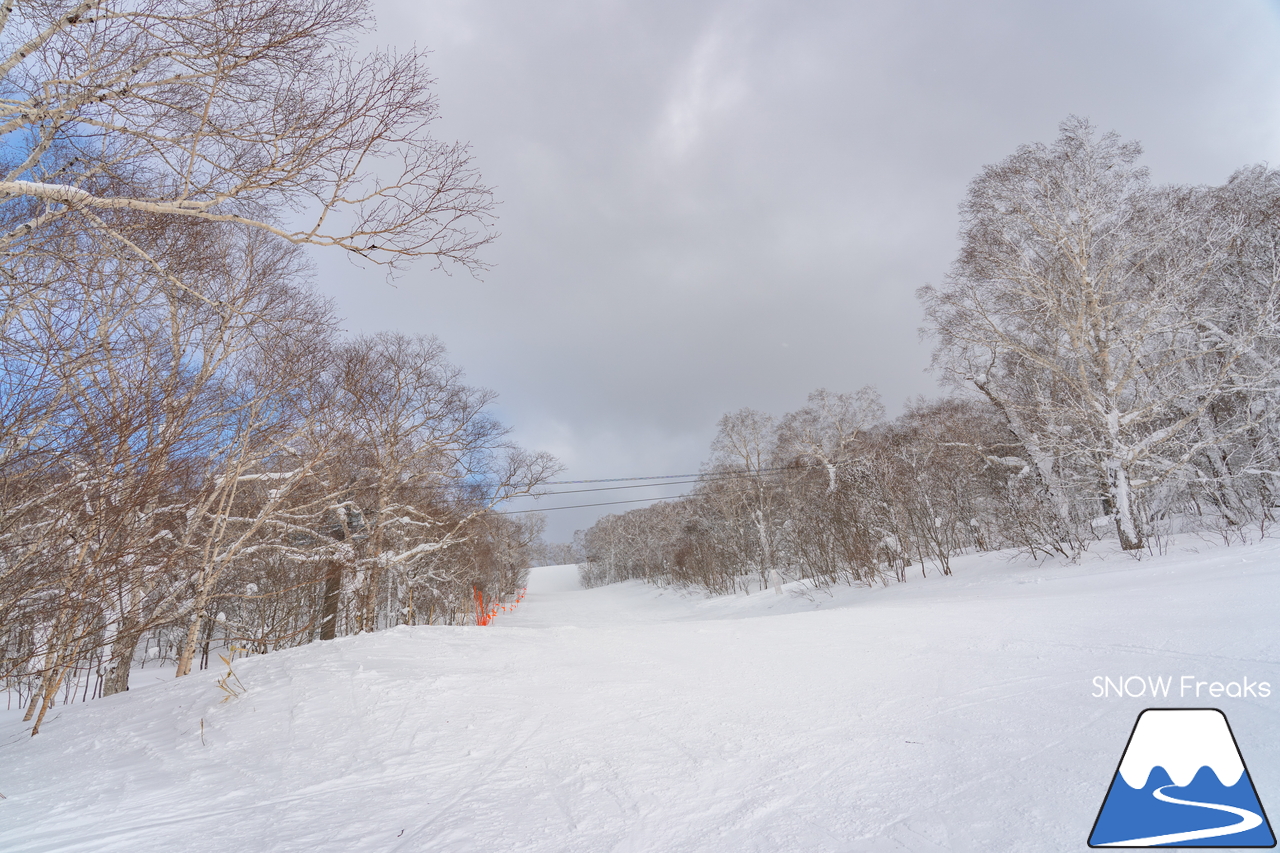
{"points": [[941, 714]]}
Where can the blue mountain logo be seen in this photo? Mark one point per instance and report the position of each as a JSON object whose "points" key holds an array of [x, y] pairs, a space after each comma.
{"points": [[1181, 783]]}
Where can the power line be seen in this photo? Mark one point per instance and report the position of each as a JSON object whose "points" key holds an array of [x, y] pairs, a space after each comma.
{"points": [[700, 478], [664, 477], [694, 478], [583, 506], [606, 489], [619, 479], [704, 479]]}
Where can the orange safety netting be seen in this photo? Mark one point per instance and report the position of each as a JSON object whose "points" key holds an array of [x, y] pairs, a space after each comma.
{"points": [[484, 615]]}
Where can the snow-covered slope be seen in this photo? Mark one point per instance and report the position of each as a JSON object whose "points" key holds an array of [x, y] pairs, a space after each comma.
{"points": [[941, 714]]}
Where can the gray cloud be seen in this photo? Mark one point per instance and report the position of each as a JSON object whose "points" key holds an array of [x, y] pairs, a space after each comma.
{"points": [[714, 205]]}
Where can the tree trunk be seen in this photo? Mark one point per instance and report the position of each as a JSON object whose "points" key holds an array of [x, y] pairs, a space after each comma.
{"points": [[190, 642], [117, 677], [1121, 493], [1224, 494], [48, 692], [329, 606], [1042, 461]]}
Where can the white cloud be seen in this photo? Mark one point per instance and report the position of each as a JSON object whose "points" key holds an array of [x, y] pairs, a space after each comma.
{"points": [[710, 84]]}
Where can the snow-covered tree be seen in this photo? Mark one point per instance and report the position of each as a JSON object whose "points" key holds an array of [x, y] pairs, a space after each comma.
{"points": [[413, 462], [257, 113], [825, 431], [1086, 306], [747, 443]]}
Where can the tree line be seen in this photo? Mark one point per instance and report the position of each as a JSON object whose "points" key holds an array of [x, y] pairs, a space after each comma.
{"points": [[191, 455], [1112, 351], [831, 493]]}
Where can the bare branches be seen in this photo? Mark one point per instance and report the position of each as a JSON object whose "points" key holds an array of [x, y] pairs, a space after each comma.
{"points": [[1124, 341], [252, 113], [828, 494], [1119, 328], [177, 425]]}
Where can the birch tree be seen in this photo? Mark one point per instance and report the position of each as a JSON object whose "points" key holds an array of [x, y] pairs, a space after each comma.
{"points": [[152, 399], [162, 163], [826, 431], [747, 443], [413, 464], [258, 113], [1081, 307]]}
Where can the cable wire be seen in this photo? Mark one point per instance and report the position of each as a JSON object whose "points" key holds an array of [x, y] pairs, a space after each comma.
{"points": [[583, 506], [701, 478], [712, 478], [662, 477]]}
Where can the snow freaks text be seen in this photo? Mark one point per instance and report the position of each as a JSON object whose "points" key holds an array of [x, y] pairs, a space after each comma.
{"points": [[1183, 687]]}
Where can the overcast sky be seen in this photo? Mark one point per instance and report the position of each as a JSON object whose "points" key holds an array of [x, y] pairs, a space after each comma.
{"points": [[712, 205]]}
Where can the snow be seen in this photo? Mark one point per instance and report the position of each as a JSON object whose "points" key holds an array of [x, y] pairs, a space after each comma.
{"points": [[954, 713]]}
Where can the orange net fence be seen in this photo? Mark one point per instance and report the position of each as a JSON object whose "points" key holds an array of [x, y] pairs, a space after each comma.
{"points": [[486, 612]]}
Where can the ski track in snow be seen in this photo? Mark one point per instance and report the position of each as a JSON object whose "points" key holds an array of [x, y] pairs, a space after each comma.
{"points": [[941, 714]]}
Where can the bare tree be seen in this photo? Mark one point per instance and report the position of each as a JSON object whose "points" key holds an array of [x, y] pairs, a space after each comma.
{"points": [[1080, 306], [250, 112], [826, 430], [160, 422], [153, 399], [413, 462], [747, 443]]}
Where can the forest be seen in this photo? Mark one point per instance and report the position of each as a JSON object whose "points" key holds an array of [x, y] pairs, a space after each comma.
{"points": [[193, 457], [1110, 350], [196, 461]]}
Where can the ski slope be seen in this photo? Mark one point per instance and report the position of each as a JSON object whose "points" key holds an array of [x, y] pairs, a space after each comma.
{"points": [[940, 714]]}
